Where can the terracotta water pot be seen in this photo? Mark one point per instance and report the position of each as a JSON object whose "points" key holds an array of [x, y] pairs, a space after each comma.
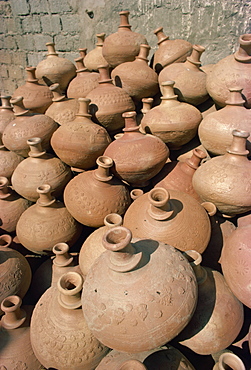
{"points": [[136, 77], [123, 45], [190, 80], [225, 180], [231, 71], [137, 157], [95, 58], [84, 82], [79, 142], [93, 194], [108, 102], [55, 69], [218, 317], [174, 122], [15, 271], [8, 161], [169, 51], [47, 223], [39, 168], [58, 319], [229, 361], [129, 307], [12, 205], [6, 113], [168, 216], [36, 97], [16, 350], [25, 126], [215, 130]]}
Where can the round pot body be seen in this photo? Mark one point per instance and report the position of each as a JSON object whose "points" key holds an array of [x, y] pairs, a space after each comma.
{"points": [[8, 162], [83, 84], [63, 111], [6, 114]]}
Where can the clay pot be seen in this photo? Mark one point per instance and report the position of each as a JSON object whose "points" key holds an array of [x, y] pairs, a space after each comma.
{"points": [[58, 318], [137, 157], [137, 78], [39, 168], [190, 80], [6, 113], [108, 102], [167, 216], [79, 142], [62, 109], [93, 247], [178, 175], [231, 70], [84, 82], [225, 180], [229, 361], [25, 126], [36, 97], [129, 307], [95, 58], [54, 69], [91, 195], [46, 223], [174, 122], [11, 207], [16, 350], [235, 262], [218, 317], [122, 46], [169, 51], [15, 271], [8, 161], [162, 358], [215, 130]]}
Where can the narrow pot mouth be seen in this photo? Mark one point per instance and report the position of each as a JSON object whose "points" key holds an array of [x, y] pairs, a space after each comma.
{"points": [[117, 238], [104, 161], [245, 39], [158, 197], [113, 219], [5, 240], [70, 283], [230, 361]]}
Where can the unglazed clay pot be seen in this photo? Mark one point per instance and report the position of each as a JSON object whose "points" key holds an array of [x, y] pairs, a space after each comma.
{"points": [[174, 122], [122, 46], [46, 223], [218, 317], [36, 97], [91, 195], [84, 82], [39, 168], [236, 262], [169, 51], [25, 126], [6, 113], [178, 175], [137, 157], [231, 71], [226, 180], [229, 361], [15, 271], [80, 142], [190, 80], [129, 307], [16, 350], [137, 78], [162, 358], [8, 161], [215, 130], [62, 109], [54, 69], [93, 247], [11, 207], [169, 217], [108, 102], [95, 58], [58, 318]]}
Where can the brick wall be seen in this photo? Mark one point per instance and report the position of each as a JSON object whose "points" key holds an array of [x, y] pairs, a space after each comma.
{"points": [[26, 26]]}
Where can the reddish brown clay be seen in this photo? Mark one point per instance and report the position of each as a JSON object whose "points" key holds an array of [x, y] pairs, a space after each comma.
{"points": [[129, 307], [232, 70], [46, 223], [137, 157], [6, 113], [8, 161], [95, 58], [58, 318], [80, 142], [91, 195], [38, 168], [122, 46]]}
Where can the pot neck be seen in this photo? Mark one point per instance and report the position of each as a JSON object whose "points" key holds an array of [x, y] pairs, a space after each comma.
{"points": [[45, 197], [62, 257], [13, 316], [51, 49], [69, 287], [5, 190], [102, 173], [36, 149], [195, 260], [194, 59], [160, 207], [6, 102], [31, 77], [18, 107], [235, 97], [243, 54], [100, 39], [169, 97], [80, 66], [83, 110], [124, 23], [161, 36], [238, 146], [57, 93]]}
